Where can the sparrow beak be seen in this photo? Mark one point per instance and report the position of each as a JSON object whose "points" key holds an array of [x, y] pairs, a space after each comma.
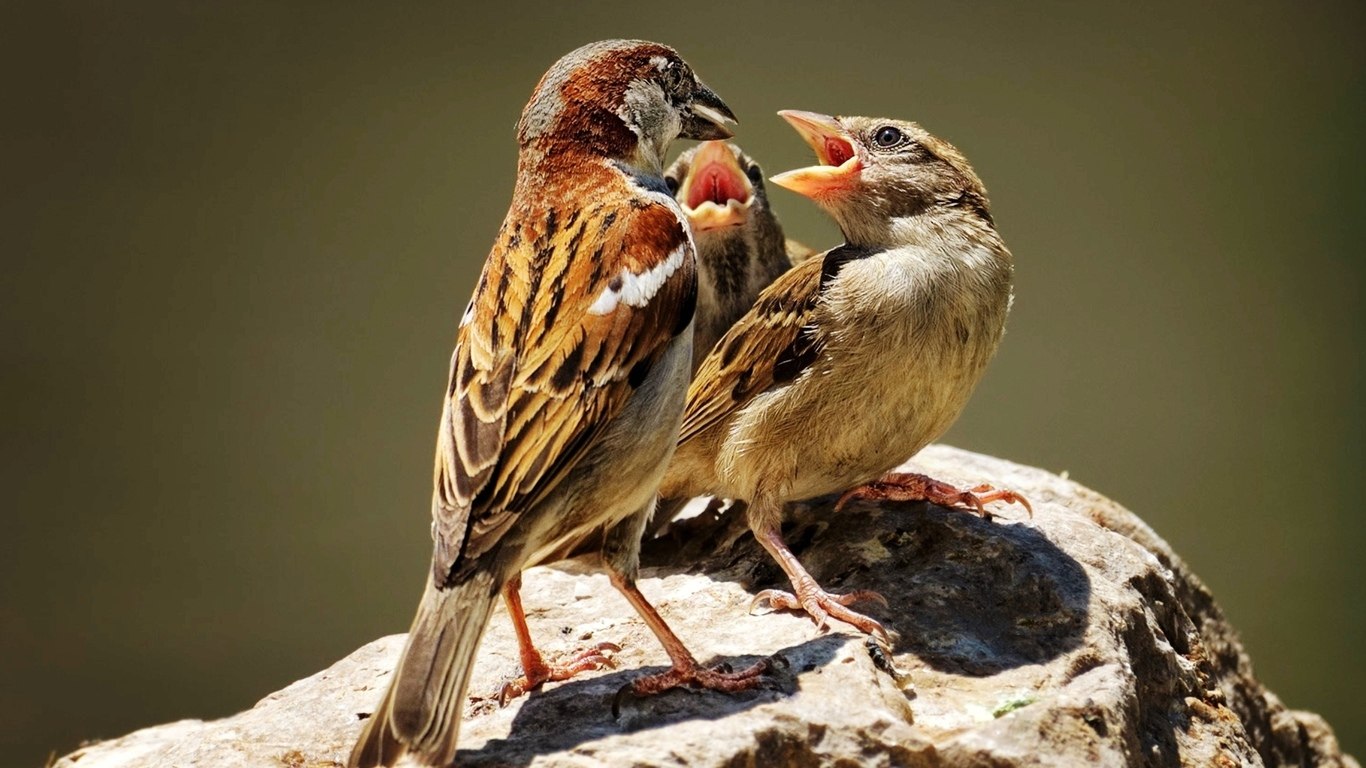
{"points": [[706, 117], [715, 193], [834, 147]]}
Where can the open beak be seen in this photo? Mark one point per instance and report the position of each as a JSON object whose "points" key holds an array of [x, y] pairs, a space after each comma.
{"points": [[707, 116], [716, 192], [839, 160]]}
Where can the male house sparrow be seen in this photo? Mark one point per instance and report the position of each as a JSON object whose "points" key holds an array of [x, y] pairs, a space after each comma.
{"points": [[567, 382], [740, 250], [740, 244], [853, 361]]}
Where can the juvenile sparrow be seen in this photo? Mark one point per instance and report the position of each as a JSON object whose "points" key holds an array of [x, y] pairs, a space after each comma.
{"points": [[851, 362], [740, 244], [567, 382]]}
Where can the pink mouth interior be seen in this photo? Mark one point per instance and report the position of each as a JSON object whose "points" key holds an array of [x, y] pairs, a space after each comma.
{"points": [[837, 151], [717, 183]]}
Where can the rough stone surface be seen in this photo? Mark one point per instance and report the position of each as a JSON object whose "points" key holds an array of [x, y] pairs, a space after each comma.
{"points": [[1075, 637]]}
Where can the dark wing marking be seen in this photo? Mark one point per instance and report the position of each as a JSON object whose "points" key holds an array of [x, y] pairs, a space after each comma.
{"points": [[536, 375], [771, 345]]}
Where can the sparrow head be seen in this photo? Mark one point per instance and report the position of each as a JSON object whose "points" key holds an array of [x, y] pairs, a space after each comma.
{"points": [[719, 187], [739, 240], [873, 171], [621, 99]]}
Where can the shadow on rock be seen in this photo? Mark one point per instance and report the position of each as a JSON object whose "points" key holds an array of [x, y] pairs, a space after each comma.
{"points": [[965, 595], [580, 711]]}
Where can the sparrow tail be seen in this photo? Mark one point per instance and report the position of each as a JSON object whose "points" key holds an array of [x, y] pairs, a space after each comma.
{"points": [[420, 713]]}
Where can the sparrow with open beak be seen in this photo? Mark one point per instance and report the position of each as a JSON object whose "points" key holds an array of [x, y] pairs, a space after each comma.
{"points": [[740, 250], [740, 244], [853, 361], [567, 382]]}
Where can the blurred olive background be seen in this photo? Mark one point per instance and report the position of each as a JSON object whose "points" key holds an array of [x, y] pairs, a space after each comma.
{"points": [[237, 238]]}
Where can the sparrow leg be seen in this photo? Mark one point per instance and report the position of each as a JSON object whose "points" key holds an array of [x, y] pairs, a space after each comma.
{"points": [[685, 669], [820, 605], [535, 670], [910, 486], [621, 555]]}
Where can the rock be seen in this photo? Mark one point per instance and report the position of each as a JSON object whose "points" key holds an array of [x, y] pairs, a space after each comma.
{"points": [[1073, 637]]}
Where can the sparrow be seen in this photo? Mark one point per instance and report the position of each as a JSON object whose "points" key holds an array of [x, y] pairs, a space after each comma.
{"points": [[740, 244], [740, 250], [854, 360], [567, 383]]}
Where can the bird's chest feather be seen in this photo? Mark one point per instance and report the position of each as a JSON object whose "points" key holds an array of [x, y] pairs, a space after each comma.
{"points": [[903, 312], [907, 342]]}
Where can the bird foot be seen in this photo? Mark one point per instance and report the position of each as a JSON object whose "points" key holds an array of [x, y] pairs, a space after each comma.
{"points": [[715, 678], [822, 606], [536, 675], [909, 486]]}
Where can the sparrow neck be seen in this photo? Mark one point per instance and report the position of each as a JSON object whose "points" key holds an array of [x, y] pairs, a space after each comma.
{"points": [[942, 229], [537, 165], [647, 158]]}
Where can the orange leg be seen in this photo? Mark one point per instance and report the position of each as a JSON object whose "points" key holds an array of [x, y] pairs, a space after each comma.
{"points": [[820, 605], [535, 670], [685, 669], [908, 486]]}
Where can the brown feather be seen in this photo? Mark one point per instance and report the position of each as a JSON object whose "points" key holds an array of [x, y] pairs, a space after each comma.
{"points": [[771, 345], [742, 363], [522, 416]]}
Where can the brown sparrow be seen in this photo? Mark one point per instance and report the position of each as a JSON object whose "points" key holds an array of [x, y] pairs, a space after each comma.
{"points": [[740, 244], [567, 382], [853, 361]]}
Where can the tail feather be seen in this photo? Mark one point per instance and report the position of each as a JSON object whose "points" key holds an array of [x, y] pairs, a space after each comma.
{"points": [[420, 712], [378, 744]]}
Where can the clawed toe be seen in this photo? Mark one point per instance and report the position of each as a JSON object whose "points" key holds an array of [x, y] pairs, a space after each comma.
{"points": [[866, 492], [987, 494], [512, 689], [865, 624], [910, 486], [822, 606], [777, 600], [599, 655], [861, 596], [718, 677], [587, 660]]}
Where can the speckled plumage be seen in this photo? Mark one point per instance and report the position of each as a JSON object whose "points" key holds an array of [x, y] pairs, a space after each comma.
{"points": [[853, 360], [570, 366]]}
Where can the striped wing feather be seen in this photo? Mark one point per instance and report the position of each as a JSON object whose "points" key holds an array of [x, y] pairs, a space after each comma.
{"points": [[772, 343], [540, 369]]}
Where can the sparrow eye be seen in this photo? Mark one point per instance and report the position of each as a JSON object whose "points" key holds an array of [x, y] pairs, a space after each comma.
{"points": [[672, 184], [887, 136], [755, 174]]}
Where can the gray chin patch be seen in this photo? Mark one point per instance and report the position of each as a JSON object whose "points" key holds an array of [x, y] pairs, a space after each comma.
{"points": [[645, 109]]}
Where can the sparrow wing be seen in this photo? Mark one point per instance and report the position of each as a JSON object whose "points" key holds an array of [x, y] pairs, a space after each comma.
{"points": [[566, 322], [773, 343]]}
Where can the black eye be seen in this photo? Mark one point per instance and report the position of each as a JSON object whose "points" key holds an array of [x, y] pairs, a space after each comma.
{"points": [[672, 184], [887, 136], [755, 174]]}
